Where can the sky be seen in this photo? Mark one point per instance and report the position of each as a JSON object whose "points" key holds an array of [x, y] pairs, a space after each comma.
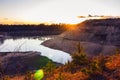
{"points": [[59, 11]]}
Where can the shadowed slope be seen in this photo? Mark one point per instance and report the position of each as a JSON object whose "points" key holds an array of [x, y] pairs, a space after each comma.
{"points": [[96, 36]]}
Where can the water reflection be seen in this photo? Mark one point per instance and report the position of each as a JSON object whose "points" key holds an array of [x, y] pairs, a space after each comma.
{"points": [[1, 40], [34, 44]]}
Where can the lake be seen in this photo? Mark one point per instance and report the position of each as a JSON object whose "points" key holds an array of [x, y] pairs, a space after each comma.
{"points": [[34, 44]]}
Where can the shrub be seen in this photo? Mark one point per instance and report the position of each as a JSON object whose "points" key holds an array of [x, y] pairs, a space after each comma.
{"points": [[96, 76], [79, 57], [49, 68], [60, 77], [117, 51], [68, 76], [28, 76], [86, 71], [95, 65]]}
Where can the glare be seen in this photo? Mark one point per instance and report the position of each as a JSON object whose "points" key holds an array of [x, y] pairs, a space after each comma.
{"points": [[55, 11], [52, 19]]}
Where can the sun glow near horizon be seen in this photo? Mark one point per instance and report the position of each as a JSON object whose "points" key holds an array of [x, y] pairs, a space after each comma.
{"points": [[49, 20], [45, 20], [54, 11]]}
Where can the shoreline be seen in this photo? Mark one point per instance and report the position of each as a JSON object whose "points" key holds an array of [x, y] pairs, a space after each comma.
{"points": [[21, 62]]}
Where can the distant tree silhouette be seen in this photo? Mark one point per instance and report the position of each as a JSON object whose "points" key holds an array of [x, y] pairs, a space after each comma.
{"points": [[32, 30]]}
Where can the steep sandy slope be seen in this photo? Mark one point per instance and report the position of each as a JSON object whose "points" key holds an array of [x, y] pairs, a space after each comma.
{"points": [[96, 36]]}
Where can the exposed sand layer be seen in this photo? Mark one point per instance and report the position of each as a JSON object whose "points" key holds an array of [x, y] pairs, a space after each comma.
{"points": [[101, 36]]}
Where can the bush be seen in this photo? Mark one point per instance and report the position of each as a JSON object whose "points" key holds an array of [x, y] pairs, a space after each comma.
{"points": [[28, 76], [49, 68], [96, 76], [86, 71], [68, 76], [80, 57], [95, 66]]}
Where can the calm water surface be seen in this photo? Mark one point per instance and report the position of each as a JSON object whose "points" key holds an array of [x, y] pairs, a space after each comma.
{"points": [[34, 44]]}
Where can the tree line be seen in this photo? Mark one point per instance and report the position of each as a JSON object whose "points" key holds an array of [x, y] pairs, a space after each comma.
{"points": [[29, 30]]}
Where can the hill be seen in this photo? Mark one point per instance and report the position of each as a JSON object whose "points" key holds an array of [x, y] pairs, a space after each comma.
{"points": [[95, 35]]}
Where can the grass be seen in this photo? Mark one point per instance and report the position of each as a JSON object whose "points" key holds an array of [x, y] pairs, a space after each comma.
{"points": [[39, 62]]}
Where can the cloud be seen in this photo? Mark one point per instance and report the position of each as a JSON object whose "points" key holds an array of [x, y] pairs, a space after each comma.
{"points": [[101, 16]]}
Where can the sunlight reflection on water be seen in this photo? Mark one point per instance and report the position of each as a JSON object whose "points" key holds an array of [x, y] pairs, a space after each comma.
{"points": [[30, 44]]}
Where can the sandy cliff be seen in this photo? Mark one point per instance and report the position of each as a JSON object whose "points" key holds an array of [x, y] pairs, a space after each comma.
{"points": [[96, 36]]}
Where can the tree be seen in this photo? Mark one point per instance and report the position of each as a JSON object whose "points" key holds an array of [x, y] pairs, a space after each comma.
{"points": [[79, 57]]}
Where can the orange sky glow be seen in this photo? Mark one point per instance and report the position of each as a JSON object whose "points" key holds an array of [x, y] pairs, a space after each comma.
{"points": [[55, 11]]}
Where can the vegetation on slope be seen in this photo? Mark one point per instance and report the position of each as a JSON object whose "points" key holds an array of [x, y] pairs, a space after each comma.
{"points": [[82, 67], [20, 63]]}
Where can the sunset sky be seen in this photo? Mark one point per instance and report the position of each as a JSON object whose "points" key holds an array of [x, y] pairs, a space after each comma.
{"points": [[58, 11]]}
